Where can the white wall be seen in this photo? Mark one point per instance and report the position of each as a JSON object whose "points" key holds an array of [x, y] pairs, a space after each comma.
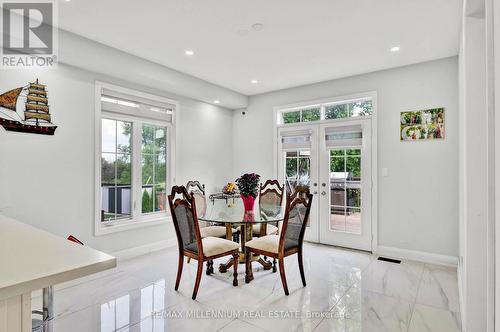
{"points": [[49, 181], [418, 201]]}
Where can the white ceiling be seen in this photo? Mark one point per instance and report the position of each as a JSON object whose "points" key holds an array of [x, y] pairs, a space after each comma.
{"points": [[302, 41]]}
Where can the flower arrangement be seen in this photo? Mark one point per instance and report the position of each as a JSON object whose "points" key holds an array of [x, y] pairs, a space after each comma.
{"points": [[248, 184]]}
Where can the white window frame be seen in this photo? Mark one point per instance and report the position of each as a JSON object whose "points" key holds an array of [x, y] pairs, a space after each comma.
{"points": [[321, 104], [138, 219]]}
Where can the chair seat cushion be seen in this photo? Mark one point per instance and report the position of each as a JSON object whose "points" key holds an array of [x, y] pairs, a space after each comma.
{"points": [[270, 243], [271, 229], [214, 246], [215, 231]]}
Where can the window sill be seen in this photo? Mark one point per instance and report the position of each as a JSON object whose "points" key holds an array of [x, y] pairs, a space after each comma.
{"points": [[103, 229]]}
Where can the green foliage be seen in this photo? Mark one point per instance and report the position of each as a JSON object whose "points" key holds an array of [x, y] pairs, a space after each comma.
{"points": [[336, 111], [311, 114], [291, 117], [126, 132], [154, 156], [291, 167], [304, 115], [365, 106], [107, 172], [359, 108], [117, 172], [346, 160], [147, 202]]}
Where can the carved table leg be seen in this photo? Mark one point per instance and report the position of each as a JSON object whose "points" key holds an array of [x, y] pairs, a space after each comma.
{"points": [[210, 267], [223, 267], [266, 264], [246, 235]]}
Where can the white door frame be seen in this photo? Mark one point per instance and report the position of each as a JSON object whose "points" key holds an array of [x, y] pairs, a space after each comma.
{"points": [[369, 94], [361, 241]]}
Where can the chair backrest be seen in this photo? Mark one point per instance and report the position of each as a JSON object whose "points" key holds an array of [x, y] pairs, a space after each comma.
{"points": [[197, 189], [298, 206], [271, 197], [185, 220]]}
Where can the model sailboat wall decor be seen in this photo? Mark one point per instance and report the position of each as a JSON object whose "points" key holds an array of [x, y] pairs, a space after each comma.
{"points": [[26, 110]]}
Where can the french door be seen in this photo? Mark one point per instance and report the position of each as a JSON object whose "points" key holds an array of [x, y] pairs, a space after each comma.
{"points": [[298, 166], [334, 160]]}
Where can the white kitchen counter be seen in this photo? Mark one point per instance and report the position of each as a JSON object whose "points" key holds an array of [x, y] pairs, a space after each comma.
{"points": [[31, 259]]}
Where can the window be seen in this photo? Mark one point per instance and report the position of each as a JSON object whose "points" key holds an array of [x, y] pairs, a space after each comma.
{"points": [[116, 175], [349, 110], [306, 114], [134, 146], [327, 111], [154, 168]]}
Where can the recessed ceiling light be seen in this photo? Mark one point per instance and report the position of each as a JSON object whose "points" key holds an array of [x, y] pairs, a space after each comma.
{"points": [[254, 81], [216, 101], [189, 52], [257, 26], [395, 49]]}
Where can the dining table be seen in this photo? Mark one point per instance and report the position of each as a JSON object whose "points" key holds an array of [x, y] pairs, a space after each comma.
{"points": [[232, 214]]}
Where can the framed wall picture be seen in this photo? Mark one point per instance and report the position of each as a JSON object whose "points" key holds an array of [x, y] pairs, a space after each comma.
{"points": [[26, 109], [422, 125]]}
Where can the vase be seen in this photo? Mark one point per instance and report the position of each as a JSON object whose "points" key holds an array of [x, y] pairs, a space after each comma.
{"points": [[248, 202]]}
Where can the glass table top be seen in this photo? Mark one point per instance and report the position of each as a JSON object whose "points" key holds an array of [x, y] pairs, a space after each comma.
{"points": [[233, 212]]}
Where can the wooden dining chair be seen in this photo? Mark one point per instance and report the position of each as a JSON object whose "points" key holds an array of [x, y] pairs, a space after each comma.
{"points": [[198, 191], [290, 240], [270, 201], [190, 241]]}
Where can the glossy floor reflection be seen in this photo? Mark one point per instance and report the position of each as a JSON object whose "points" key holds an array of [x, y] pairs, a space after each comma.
{"points": [[346, 291]]}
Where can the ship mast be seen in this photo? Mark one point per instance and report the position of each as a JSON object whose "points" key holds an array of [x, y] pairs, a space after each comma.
{"points": [[37, 107], [37, 103]]}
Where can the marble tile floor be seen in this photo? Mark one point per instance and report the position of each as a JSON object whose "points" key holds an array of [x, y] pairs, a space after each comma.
{"points": [[346, 291]]}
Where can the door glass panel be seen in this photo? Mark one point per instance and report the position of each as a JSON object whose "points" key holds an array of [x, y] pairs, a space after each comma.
{"points": [[337, 219], [345, 190], [353, 220], [297, 169]]}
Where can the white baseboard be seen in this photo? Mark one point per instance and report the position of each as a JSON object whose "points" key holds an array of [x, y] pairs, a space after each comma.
{"points": [[144, 249], [420, 256]]}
